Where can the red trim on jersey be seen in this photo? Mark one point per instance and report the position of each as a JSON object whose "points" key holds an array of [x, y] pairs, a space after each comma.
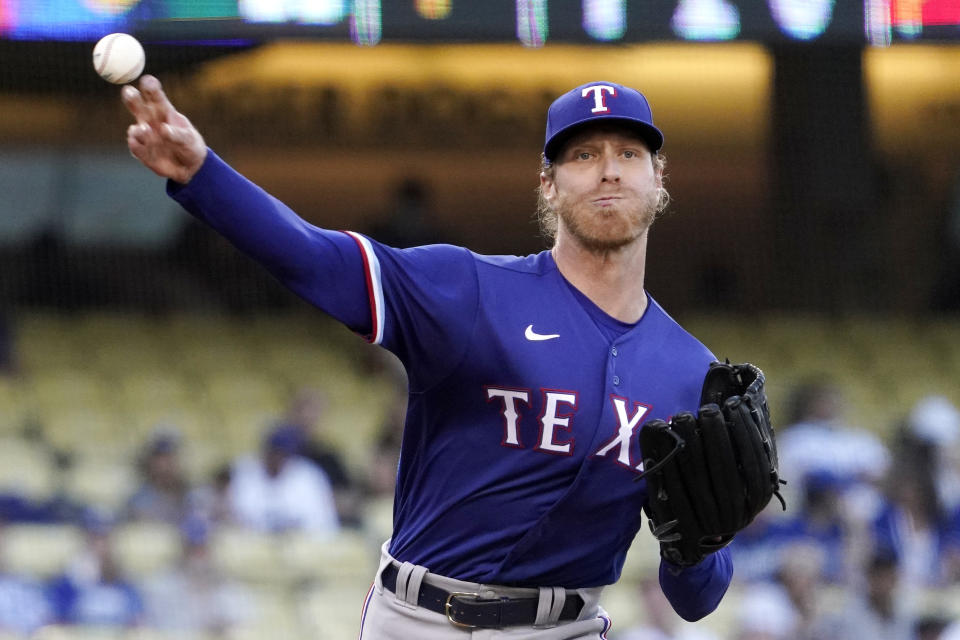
{"points": [[368, 276]]}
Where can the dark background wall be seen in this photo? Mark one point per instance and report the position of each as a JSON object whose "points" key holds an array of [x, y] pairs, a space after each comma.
{"points": [[797, 182]]}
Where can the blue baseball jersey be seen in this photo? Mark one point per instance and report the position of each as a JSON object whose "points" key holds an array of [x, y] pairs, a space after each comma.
{"points": [[520, 449]]}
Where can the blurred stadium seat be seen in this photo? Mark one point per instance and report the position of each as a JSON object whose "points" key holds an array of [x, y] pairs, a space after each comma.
{"points": [[232, 390], [46, 340], [275, 616], [85, 429], [249, 556], [70, 388], [103, 480], [333, 610], [146, 547], [14, 409], [39, 550], [242, 430], [26, 469], [154, 388], [347, 556]]}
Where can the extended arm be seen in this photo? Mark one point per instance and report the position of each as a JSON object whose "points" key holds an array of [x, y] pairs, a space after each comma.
{"points": [[323, 267]]}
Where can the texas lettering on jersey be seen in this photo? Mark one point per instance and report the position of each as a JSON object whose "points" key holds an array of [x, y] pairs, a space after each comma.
{"points": [[555, 424]]}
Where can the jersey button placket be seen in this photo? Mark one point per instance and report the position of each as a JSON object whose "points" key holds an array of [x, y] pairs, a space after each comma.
{"points": [[613, 354]]}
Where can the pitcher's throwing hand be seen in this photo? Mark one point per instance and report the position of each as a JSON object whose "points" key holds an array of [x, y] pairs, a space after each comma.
{"points": [[163, 139]]}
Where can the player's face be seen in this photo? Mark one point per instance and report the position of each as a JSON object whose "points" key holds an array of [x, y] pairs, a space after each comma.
{"points": [[604, 188]]}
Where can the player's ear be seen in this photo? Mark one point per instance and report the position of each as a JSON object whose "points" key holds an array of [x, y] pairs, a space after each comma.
{"points": [[547, 187]]}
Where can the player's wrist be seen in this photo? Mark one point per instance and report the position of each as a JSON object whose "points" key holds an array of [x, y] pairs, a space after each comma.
{"points": [[190, 171]]}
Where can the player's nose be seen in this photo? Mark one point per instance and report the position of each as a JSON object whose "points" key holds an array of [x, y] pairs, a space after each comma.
{"points": [[610, 168]]}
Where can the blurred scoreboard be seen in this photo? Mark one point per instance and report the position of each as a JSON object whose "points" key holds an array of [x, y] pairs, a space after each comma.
{"points": [[533, 23]]}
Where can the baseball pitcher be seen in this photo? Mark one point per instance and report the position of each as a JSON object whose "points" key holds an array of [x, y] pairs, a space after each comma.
{"points": [[552, 401]]}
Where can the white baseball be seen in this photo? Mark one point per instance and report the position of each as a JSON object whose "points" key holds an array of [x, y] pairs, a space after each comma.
{"points": [[118, 58]]}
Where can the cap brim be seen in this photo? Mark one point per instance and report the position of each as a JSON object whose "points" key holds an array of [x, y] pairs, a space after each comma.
{"points": [[650, 134]]}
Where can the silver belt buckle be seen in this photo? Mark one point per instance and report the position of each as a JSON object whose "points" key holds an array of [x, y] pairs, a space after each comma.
{"points": [[448, 604]]}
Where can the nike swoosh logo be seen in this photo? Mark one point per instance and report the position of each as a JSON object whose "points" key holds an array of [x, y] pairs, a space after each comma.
{"points": [[530, 334]]}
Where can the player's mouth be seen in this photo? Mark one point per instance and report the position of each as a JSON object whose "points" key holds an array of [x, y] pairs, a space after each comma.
{"points": [[606, 201]]}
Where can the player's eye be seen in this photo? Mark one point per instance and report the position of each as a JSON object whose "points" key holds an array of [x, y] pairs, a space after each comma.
{"points": [[583, 155], [629, 153]]}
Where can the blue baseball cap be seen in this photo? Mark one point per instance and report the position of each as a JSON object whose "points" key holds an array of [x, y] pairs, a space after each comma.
{"points": [[598, 102], [285, 438]]}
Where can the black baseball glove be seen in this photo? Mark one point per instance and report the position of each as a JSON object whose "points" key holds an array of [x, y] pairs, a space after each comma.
{"points": [[708, 475]]}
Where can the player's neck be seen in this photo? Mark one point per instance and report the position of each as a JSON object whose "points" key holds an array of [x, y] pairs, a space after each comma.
{"points": [[612, 280]]}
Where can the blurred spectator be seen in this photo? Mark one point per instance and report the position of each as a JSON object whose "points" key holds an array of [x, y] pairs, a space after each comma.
{"points": [[912, 526], [24, 606], [762, 548], [931, 627], [306, 412], [62, 506], [93, 590], [801, 574], [765, 613], [660, 621], [281, 490], [930, 440], [816, 439], [756, 549], [932, 429], [162, 494], [212, 501], [793, 605], [950, 551], [193, 597], [409, 221], [875, 613]]}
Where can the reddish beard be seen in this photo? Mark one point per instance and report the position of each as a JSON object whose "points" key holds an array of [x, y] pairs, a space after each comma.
{"points": [[609, 228]]}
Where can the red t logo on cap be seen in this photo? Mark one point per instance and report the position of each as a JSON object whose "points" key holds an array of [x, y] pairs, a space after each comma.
{"points": [[599, 100]]}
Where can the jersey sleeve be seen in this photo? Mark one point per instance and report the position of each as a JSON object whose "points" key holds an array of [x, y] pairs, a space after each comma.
{"points": [[424, 303], [695, 591], [323, 267]]}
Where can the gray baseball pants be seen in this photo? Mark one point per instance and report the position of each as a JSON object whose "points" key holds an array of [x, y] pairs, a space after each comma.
{"points": [[396, 616]]}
